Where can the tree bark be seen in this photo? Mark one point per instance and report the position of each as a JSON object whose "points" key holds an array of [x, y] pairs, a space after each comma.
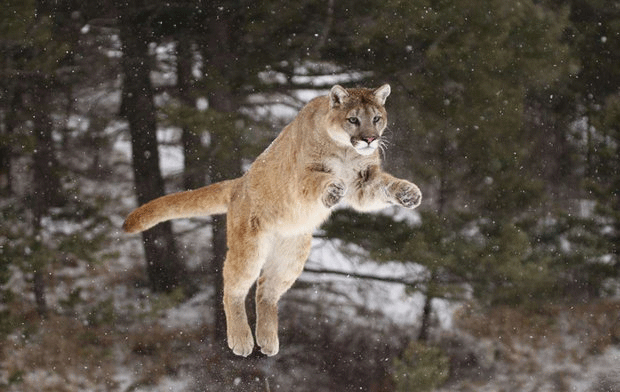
{"points": [[428, 309], [48, 191], [216, 265], [426, 319], [163, 267], [6, 151], [193, 173], [38, 286], [224, 163]]}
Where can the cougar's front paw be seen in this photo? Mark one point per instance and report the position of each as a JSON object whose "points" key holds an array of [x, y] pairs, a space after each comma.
{"points": [[408, 195], [333, 194]]}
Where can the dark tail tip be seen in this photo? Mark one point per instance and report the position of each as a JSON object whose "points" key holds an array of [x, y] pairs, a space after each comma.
{"points": [[131, 225]]}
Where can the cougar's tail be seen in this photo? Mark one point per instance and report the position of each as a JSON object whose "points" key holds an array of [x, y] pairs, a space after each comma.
{"points": [[208, 200]]}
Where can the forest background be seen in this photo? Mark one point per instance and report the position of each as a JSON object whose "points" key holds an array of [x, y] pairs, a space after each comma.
{"points": [[506, 114]]}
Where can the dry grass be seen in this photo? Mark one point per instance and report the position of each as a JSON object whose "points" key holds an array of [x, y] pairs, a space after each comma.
{"points": [[562, 334], [597, 323], [62, 354], [535, 349], [155, 351], [507, 323]]}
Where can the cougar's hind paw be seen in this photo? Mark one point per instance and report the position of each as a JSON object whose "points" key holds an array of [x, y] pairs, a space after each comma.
{"points": [[242, 342], [269, 343]]}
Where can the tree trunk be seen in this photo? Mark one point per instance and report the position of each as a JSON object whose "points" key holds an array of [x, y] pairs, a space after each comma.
{"points": [[428, 309], [225, 163], [426, 319], [444, 171], [164, 270], [615, 247], [48, 192], [193, 173], [38, 286], [217, 263], [38, 261], [6, 151], [224, 159]]}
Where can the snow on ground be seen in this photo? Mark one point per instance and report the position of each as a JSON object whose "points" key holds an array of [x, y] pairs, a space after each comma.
{"points": [[196, 311], [398, 304], [597, 373]]}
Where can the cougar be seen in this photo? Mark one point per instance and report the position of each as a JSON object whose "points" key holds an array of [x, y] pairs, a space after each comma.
{"points": [[328, 155]]}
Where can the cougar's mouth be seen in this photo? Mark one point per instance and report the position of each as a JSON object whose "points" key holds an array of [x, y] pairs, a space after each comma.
{"points": [[365, 146]]}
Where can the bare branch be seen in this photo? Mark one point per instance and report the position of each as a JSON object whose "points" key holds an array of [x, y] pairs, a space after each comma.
{"points": [[388, 279]]}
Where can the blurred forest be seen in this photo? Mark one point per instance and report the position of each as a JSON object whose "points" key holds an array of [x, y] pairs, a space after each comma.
{"points": [[505, 113]]}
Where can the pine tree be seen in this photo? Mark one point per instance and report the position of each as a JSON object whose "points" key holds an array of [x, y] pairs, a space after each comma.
{"points": [[463, 77], [163, 267], [37, 40], [596, 88]]}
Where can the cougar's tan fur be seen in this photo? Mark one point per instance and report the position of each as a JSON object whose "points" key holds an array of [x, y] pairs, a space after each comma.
{"points": [[329, 154]]}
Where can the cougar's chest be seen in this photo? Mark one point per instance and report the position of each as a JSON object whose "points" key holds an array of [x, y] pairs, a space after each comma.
{"points": [[351, 167]]}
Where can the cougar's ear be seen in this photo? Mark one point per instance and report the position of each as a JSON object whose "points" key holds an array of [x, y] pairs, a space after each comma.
{"points": [[337, 95], [382, 93]]}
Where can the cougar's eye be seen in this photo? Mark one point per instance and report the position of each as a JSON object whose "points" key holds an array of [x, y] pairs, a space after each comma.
{"points": [[353, 120], [376, 119]]}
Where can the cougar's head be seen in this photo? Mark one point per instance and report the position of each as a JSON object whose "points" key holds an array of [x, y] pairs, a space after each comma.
{"points": [[357, 117]]}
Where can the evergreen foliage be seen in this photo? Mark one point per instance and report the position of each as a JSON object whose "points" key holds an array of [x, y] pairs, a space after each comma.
{"points": [[492, 135], [507, 114], [421, 368]]}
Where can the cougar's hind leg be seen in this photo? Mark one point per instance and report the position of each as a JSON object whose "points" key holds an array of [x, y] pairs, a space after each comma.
{"points": [[283, 266], [242, 266]]}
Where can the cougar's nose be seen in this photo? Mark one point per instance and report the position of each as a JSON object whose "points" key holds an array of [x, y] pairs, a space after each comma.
{"points": [[369, 139]]}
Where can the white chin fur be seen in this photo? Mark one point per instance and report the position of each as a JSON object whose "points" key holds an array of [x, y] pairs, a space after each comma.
{"points": [[365, 150]]}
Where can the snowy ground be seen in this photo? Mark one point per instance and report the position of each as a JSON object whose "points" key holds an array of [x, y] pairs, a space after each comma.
{"points": [[132, 335]]}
